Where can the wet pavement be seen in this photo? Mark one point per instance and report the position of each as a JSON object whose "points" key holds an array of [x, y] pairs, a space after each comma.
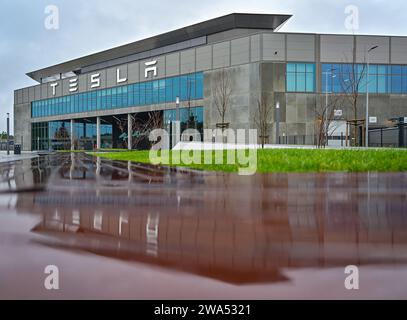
{"points": [[122, 230]]}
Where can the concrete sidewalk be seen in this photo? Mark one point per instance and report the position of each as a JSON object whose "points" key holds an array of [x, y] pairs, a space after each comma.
{"points": [[12, 157]]}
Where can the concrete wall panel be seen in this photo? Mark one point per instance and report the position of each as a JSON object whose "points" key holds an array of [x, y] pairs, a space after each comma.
{"points": [[188, 61], [379, 55], [240, 51], [255, 45], [133, 72], [203, 58], [221, 55], [399, 50], [300, 47], [337, 48], [274, 47], [172, 64]]}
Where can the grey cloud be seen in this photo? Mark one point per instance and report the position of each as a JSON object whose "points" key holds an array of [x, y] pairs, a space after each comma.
{"points": [[94, 25]]}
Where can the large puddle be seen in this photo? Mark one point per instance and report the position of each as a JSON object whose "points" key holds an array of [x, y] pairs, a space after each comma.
{"points": [[122, 230]]}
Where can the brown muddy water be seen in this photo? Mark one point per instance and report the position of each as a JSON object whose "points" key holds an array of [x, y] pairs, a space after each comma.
{"points": [[126, 231]]}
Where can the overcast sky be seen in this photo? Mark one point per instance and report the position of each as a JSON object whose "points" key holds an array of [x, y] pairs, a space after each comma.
{"points": [[94, 25]]}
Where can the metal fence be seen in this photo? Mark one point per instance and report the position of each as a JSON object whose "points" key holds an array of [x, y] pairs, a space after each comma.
{"points": [[388, 137], [3, 145], [297, 140]]}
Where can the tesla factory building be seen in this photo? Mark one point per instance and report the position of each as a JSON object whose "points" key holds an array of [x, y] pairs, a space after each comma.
{"points": [[106, 99]]}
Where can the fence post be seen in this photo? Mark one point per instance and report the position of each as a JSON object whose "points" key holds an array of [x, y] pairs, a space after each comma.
{"points": [[381, 137], [401, 132]]}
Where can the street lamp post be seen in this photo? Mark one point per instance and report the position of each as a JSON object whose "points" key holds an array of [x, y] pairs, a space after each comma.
{"points": [[177, 116], [8, 133], [326, 101], [367, 96], [178, 124], [278, 122]]}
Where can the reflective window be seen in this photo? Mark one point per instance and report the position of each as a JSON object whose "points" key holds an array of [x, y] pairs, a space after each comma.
{"points": [[300, 77], [381, 78], [190, 118], [187, 87]]}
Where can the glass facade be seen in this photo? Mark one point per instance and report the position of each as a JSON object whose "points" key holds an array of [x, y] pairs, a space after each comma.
{"points": [[190, 118], [56, 135], [187, 87], [341, 78], [300, 77]]}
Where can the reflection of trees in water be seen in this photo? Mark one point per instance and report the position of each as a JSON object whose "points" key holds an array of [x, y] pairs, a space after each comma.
{"points": [[62, 133], [142, 125]]}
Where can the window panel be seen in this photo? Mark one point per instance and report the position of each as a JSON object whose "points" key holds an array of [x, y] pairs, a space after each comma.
{"points": [[372, 69], [155, 91], [373, 83], [382, 69], [336, 84], [176, 87], [300, 67], [291, 82], [291, 67], [310, 82], [396, 84], [184, 88], [114, 98], [149, 93], [310, 68], [119, 98], [300, 82], [108, 98], [136, 94], [382, 84], [396, 70], [169, 90], [199, 85], [130, 96], [161, 93], [404, 84], [142, 94], [125, 102], [303, 80]]}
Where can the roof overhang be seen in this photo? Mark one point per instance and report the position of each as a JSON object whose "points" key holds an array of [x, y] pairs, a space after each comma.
{"points": [[228, 22]]}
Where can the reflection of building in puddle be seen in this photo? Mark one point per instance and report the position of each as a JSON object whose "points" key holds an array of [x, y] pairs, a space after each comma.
{"points": [[229, 248], [237, 229], [98, 220], [152, 235]]}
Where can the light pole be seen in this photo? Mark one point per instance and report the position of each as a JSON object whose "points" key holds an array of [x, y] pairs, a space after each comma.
{"points": [[8, 133], [177, 120], [177, 116], [278, 122], [330, 72], [367, 96]]}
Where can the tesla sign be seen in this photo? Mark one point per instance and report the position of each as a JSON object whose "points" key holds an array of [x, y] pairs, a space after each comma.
{"points": [[150, 69]]}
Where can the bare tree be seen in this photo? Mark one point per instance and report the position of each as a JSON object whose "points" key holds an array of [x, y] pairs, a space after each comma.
{"points": [[141, 127], [324, 116], [222, 91], [263, 116], [351, 81]]}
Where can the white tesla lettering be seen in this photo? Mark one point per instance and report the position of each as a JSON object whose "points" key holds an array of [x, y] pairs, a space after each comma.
{"points": [[73, 85], [120, 80], [150, 67], [53, 86], [95, 80]]}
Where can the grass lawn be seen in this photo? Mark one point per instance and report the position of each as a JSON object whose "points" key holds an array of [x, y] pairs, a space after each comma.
{"points": [[297, 160]]}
